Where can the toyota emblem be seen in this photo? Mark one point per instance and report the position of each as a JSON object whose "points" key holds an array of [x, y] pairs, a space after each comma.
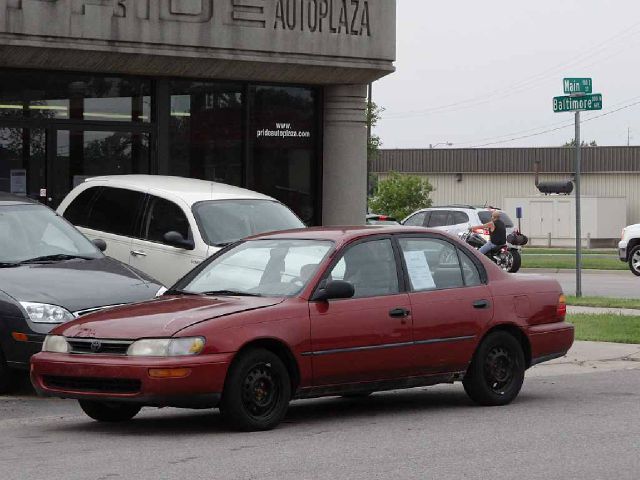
{"points": [[96, 345]]}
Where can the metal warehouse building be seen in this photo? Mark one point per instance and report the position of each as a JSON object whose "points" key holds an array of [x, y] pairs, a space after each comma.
{"points": [[505, 177]]}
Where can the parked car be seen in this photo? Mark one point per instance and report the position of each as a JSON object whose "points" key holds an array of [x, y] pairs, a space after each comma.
{"points": [[374, 219], [311, 313], [165, 226], [629, 247], [455, 219], [49, 274]]}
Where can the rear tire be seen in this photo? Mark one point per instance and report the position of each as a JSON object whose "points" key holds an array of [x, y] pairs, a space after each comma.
{"points": [[109, 411], [496, 373], [257, 391], [8, 377], [634, 260], [517, 261]]}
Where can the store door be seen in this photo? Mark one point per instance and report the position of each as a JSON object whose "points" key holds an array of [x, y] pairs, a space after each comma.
{"points": [[77, 154], [23, 165]]}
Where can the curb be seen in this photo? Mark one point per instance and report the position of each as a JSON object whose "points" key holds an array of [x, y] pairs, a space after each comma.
{"points": [[572, 270]]}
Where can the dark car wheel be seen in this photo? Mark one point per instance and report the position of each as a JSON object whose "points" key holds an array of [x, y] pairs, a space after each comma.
{"points": [[8, 378], [634, 260], [496, 373], [257, 391], [109, 411]]}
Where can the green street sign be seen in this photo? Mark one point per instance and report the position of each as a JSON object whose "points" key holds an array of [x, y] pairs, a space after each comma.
{"points": [[573, 104], [577, 85]]}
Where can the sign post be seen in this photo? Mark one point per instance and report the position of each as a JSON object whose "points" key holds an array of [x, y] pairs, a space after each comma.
{"points": [[580, 98]]}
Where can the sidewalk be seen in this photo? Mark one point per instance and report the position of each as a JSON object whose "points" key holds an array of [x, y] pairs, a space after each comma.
{"points": [[627, 312], [590, 357]]}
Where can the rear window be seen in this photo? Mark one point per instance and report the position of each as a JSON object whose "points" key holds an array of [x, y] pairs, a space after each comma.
{"points": [[485, 217], [226, 221]]}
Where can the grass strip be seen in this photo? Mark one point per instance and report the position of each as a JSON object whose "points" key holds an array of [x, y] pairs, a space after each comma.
{"points": [[606, 328], [604, 302], [589, 263], [569, 251]]}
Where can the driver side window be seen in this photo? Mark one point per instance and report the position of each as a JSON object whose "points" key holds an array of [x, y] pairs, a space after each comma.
{"points": [[370, 267]]}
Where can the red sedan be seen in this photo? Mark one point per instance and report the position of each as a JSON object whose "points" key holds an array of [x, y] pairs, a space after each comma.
{"points": [[311, 313]]}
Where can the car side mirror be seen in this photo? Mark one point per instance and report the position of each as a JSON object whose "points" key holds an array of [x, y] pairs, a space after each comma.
{"points": [[175, 239], [334, 290], [100, 244]]}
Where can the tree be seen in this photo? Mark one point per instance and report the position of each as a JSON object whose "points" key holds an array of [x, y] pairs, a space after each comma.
{"points": [[373, 114], [399, 195], [572, 144]]}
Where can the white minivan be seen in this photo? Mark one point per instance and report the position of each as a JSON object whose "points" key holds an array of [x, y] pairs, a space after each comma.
{"points": [[165, 226]]}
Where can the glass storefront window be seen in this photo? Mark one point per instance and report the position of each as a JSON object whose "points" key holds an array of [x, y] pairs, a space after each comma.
{"points": [[205, 131], [70, 96], [22, 160], [283, 151]]}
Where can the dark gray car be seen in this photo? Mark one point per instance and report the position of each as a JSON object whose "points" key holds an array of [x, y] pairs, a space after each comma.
{"points": [[50, 274]]}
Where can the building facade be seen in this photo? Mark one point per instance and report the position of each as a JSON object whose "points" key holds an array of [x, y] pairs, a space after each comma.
{"points": [[505, 177], [264, 94]]}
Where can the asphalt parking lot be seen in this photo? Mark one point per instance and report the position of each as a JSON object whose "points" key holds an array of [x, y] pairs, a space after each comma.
{"points": [[573, 426], [599, 283]]}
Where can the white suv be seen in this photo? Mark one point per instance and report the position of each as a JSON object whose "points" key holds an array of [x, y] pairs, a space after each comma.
{"points": [[165, 226], [454, 219], [629, 247]]}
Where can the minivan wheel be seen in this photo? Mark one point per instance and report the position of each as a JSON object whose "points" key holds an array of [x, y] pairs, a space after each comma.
{"points": [[109, 411], [496, 373], [257, 391], [634, 260], [8, 376]]}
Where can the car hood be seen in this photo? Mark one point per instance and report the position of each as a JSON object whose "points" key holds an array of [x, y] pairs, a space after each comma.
{"points": [[78, 284], [159, 318]]}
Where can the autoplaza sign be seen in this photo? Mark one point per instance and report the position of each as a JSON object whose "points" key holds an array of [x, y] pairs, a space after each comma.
{"points": [[575, 103], [577, 85]]}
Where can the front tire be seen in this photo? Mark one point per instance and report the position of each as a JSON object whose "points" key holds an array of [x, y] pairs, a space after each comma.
{"points": [[496, 373], [109, 411], [257, 391], [8, 380], [634, 261]]}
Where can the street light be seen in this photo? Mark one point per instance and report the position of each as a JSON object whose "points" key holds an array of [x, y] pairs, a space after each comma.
{"points": [[448, 144]]}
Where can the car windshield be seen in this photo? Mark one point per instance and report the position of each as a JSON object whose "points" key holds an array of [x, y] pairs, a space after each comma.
{"points": [[225, 221], [485, 217], [36, 233], [261, 267]]}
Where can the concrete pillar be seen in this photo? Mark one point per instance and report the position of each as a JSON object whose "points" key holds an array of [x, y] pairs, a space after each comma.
{"points": [[345, 155]]}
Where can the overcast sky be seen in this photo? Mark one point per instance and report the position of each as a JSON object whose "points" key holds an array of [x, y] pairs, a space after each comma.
{"points": [[475, 72]]}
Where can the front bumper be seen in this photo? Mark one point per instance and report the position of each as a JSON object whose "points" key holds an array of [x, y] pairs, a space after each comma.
{"points": [[127, 379], [550, 340], [622, 251]]}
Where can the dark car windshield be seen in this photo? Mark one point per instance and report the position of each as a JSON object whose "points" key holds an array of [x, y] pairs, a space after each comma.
{"points": [[226, 221], [485, 217], [36, 233], [261, 267]]}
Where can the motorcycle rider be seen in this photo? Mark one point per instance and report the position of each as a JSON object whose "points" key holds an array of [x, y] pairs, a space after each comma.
{"points": [[497, 233]]}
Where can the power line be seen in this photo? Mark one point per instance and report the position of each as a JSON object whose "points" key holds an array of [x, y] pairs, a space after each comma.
{"points": [[521, 85]]}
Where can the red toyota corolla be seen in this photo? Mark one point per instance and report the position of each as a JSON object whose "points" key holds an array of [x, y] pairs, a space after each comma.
{"points": [[310, 313]]}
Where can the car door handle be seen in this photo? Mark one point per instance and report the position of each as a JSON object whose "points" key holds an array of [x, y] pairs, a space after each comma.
{"points": [[480, 304], [399, 313], [138, 253]]}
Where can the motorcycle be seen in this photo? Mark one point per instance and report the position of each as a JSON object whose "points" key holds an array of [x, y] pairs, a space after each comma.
{"points": [[507, 257]]}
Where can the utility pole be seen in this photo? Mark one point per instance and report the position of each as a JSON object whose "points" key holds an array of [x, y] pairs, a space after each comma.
{"points": [[628, 136], [369, 121], [578, 212]]}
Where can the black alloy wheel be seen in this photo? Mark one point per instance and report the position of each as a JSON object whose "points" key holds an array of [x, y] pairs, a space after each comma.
{"points": [[634, 260], [496, 373], [109, 411], [257, 391]]}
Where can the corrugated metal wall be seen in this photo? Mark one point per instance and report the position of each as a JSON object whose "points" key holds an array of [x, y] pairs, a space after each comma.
{"points": [[511, 160], [492, 189]]}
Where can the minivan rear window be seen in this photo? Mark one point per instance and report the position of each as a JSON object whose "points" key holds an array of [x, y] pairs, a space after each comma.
{"points": [[485, 217], [226, 221]]}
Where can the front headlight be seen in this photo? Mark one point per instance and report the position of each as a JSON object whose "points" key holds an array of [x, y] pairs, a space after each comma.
{"points": [[45, 313], [166, 347], [55, 344]]}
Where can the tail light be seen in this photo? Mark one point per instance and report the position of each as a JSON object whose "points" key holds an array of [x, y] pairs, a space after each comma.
{"points": [[481, 231], [561, 310]]}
